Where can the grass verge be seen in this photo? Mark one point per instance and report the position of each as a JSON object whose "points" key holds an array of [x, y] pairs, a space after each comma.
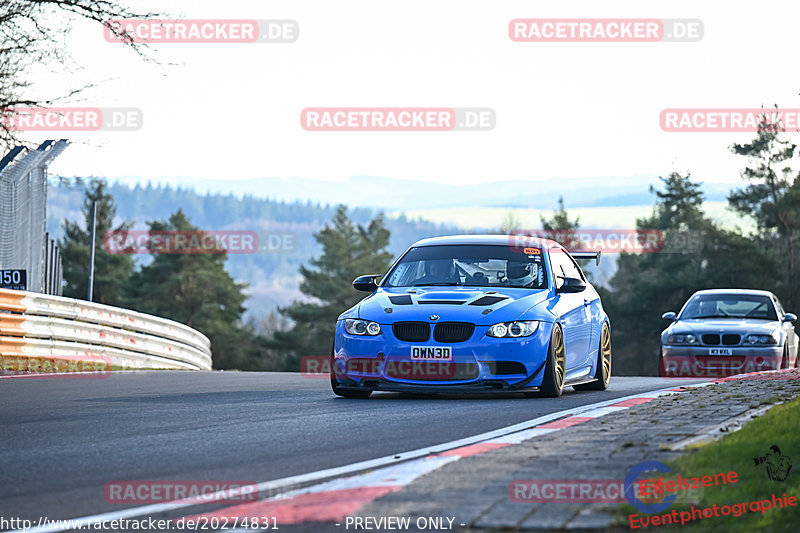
{"points": [[736, 452]]}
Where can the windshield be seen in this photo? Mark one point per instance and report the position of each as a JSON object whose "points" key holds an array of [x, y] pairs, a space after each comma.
{"points": [[729, 306], [471, 266]]}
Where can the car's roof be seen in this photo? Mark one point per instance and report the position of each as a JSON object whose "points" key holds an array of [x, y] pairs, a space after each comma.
{"points": [[506, 240], [754, 292]]}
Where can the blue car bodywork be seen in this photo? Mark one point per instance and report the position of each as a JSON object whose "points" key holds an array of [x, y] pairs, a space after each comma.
{"points": [[459, 317]]}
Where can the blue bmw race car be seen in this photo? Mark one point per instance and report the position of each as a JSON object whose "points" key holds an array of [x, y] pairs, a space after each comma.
{"points": [[475, 313]]}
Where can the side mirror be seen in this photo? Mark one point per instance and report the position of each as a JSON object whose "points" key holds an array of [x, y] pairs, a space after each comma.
{"points": [[789, 317], [571, 285], [669, 315], [366, 283]]}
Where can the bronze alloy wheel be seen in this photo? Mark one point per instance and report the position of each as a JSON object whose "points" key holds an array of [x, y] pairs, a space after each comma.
{"points": [[602, 375], [554, 368], [605, 347], [559, 368]]}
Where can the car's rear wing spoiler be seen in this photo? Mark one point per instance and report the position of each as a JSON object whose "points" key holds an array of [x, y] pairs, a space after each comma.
{"points": [[587, 255]]}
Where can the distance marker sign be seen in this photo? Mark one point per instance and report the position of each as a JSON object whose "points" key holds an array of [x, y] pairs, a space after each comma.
{"points": [[16, 280]]}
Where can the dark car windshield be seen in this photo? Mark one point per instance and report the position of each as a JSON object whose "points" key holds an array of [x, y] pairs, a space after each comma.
{"points": [[469, 265], [729, 306]]}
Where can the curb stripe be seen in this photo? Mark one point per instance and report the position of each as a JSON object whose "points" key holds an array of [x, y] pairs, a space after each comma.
{"points": [[632, 402], [474, 449], [516, 438], [602, 411], [565, 422]]}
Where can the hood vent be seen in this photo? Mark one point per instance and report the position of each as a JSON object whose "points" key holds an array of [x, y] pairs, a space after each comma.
{"points": [[488, 300]]}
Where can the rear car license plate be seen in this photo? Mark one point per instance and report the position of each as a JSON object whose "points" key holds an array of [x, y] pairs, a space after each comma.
{"points": [[431, 353], [720, 351]]}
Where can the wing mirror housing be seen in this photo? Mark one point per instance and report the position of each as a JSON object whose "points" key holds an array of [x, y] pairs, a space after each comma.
{"points": [[669, 315], [789, 317], [571, 285], [366, 283]]}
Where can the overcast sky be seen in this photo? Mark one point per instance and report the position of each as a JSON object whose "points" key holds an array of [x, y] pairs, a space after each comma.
{"points": [[563, 109]]}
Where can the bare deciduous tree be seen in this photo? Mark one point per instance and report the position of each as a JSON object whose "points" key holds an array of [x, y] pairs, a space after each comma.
{"points": [[30, 32]]}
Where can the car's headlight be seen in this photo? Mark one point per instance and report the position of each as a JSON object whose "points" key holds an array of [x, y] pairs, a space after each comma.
{"points": [[354, 326], [682, 338], [762, 339], [520, 328]]}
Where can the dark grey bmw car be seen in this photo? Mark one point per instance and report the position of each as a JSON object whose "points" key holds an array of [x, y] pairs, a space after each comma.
{"points": [[722, 332]]}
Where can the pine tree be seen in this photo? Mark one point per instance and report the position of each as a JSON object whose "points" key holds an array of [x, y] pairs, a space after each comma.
{"points": [[111, 271], [559, 220], [348, 251], [194, 289], [562, 229], [772, 196]]}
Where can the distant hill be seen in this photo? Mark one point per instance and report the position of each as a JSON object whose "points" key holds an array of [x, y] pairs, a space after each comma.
{"points": [[401, 194]]}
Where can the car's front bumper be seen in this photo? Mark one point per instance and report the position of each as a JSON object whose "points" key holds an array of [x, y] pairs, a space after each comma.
{"points": [[480, 364], [696, 361], [482, 387]]}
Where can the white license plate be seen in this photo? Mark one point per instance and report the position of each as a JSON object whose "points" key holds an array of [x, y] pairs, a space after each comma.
{"points": [[720, 351], [431, 353]]}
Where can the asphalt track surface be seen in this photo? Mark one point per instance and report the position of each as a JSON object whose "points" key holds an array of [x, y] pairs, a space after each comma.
{"points": [[64, 439]]}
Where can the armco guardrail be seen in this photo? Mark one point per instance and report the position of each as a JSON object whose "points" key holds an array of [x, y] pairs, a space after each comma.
{"points": [[39, 325]]}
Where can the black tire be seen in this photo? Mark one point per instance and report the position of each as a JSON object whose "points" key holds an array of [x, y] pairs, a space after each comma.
{"points": [[554, 368], [785, 358], [603, 372], [345, 393]]}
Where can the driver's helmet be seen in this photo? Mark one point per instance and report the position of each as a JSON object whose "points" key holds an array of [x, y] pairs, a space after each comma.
{"points": [[520, 273], [439, 268]]}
